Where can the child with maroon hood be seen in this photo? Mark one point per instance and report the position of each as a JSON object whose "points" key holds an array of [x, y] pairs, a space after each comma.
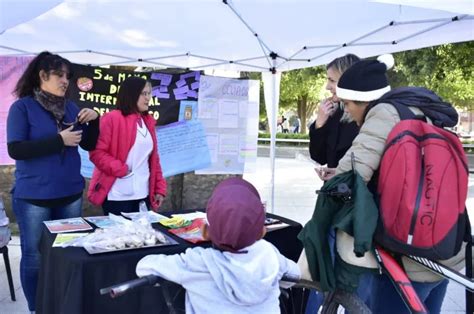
{"points": [[241, 272]]}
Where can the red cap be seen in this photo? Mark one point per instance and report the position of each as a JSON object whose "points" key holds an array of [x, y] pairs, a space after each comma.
{"points": [[235, 215]]}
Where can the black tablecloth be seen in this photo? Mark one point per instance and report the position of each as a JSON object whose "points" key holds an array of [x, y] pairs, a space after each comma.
{"points": [[70, 278]]}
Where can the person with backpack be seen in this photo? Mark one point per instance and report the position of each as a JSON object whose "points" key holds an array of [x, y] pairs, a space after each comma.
{"points": [[378, 110], [330, 136]]}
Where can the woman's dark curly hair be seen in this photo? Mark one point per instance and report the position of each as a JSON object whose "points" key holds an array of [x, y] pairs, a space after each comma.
{"points": [[46, 61]]}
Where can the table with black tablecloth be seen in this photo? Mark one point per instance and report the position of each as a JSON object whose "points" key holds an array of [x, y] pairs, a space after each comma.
{"points": [[70, 278]]}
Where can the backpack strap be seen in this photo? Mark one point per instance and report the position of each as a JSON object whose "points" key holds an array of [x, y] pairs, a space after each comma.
{"points": [[404, 112]]}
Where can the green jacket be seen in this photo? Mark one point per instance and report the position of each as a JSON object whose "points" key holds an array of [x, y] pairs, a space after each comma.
{"points": [[357, 217]]}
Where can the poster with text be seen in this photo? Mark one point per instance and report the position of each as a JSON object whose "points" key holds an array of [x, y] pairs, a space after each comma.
{"points": [[228, 109], [182, 147], [97, 88]]}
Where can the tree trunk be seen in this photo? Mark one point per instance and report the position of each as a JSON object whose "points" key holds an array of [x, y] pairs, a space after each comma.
{"points": [[301, 109], [304, 110]]}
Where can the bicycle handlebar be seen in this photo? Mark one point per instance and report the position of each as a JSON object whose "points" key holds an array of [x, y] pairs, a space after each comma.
{"points": [[150, 280], [122, 288]]}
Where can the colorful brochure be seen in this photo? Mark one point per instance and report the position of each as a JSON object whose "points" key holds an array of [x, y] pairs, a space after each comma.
{"points": [[102, 221], [152, 216], [67, 225], [191, 233], [63, 238]]}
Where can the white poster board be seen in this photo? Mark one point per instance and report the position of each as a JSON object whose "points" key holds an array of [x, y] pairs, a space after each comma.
{"points": [[229, 109]]}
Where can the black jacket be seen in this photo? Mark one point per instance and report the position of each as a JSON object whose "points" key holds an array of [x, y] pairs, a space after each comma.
{"points": [[329, 143], [441, 113]]}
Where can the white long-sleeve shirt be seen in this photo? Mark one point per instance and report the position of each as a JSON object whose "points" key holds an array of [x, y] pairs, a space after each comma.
{"points": [[135, 185]]}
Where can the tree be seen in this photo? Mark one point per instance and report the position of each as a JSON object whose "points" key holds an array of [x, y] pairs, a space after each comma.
{"points": [[448, 70], [302, 88]]}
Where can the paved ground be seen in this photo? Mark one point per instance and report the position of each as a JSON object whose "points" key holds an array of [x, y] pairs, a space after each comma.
{"points": [[295, 186]]}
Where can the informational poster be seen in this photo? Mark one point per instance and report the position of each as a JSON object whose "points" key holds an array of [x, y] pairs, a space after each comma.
{"points": [[97, 88], [228, 109], [182, 147], [11, 68], [87, 167]]}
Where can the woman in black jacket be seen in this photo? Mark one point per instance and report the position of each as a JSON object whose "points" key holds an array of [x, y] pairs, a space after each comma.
{"points": [[331, 135]]}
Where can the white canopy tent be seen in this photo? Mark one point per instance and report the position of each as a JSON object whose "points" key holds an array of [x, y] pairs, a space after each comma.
{"points": [[247, 35]]}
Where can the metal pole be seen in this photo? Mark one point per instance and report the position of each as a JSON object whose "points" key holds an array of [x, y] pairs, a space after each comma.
{"points": [[273, 131]]}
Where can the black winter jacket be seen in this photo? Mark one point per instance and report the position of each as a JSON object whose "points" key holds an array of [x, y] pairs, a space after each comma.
{"points": [[329, 143]]}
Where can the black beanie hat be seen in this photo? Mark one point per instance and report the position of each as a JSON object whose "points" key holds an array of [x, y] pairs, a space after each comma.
{"points": [[365, 80]]}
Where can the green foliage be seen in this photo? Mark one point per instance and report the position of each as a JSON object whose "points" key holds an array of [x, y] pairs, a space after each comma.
{"points": [[295, 136], [300, 90], [448, 70], [292, 136]]}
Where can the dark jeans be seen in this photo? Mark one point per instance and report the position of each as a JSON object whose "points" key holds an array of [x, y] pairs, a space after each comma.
{"points": [[116, 207], [30, 221], [316, 299], [385, 299]]}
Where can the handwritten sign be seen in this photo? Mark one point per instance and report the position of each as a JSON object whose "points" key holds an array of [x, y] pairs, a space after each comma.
{"points": [[87, 167], [182, 147], [228, 109]]}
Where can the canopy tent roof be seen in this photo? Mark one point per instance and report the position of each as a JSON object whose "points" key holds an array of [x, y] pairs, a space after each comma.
{"points": [[238, 35], [234, 35], [13, 13]]}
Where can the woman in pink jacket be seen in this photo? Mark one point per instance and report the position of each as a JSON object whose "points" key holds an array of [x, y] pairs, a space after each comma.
{"points": [[127, 166]]}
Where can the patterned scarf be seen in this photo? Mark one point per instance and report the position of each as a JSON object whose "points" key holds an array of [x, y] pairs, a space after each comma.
{"points": [[52, 103]]}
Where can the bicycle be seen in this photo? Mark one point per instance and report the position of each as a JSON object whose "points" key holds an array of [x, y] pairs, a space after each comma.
{"points": [[332, 300], [175, 304], [390, 266]]}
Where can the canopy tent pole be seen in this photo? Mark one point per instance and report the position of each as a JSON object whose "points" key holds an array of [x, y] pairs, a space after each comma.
{"points": [[271, 85]]}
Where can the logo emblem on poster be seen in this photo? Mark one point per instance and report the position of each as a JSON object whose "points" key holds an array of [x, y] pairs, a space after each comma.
{"points": [[84, 84]]}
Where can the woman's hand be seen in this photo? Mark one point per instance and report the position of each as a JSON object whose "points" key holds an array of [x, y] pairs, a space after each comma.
{"points": [[86, 115], [159, 200], [326, 109], [325, 173], [70, 137]]}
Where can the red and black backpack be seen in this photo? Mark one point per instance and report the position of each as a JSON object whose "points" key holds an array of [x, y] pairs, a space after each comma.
{"points": [[422, 189]]}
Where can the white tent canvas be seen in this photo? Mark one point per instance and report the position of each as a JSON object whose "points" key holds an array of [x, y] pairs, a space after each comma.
{"points": [[239, 35], [243, 35]]}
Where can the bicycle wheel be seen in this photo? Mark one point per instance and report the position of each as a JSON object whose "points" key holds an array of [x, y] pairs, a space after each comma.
{"points": [[332, 300], [349, 301]]}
